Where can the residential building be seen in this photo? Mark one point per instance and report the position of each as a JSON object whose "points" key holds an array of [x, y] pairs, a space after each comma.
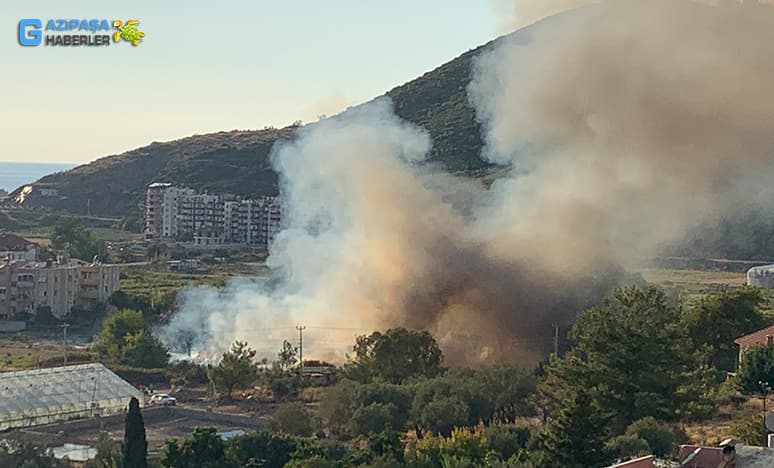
{"points": [[28, 287], [725, 456], [13, 248], [210, 220], [762, 337]]}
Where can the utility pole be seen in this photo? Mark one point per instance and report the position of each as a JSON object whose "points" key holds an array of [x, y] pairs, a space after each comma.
{"points": [[556, 338], [300, 329], [64, 340]]}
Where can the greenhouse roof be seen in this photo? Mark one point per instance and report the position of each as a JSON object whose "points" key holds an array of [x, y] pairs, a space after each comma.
{"points": [[43, 395]]}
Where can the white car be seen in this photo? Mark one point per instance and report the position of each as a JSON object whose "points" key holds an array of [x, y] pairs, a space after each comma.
{"points": [[163, 399]]}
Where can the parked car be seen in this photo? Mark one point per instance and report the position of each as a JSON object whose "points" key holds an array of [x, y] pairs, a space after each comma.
{"points": [[163, 399]]}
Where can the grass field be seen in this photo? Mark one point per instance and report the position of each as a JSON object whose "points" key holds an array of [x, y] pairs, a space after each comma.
{"points": [[692, 285]]}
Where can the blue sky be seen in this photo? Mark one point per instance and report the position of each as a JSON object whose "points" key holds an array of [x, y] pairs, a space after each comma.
{"points": [[208, 66]]}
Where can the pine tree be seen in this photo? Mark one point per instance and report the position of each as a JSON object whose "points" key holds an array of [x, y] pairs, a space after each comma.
{"points": [[576, 437], [135, 444]]}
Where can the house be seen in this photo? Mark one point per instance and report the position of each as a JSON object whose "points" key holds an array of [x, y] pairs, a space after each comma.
{"points": [[762, 337], [727, 456], [14, 248]]}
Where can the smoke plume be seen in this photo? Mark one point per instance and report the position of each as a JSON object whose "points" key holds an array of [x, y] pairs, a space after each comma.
{"points": [[622, 126], [514, 14]]}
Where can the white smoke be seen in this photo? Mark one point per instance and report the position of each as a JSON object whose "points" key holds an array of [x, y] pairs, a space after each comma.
{"points": [[623, 124]]}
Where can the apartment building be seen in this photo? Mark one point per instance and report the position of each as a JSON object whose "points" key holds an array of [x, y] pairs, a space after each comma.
{"points": [[27, 287], [210, 220], [163, 203]]}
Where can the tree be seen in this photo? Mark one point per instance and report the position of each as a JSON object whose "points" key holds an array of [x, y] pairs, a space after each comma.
{"points": [[375, 418], [293, 419], [116, 327], [126, 338], [135, 443], [507, 439], [442, 415], [634, 358], [73, 240], [757, 367], [287, 357], [236, 369], [262, 448], [394, 356], [337, 406], [721, 318], [575, 436], [203, 449], [145, 350]]}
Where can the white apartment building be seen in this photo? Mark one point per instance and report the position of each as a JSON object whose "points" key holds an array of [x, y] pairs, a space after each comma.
{"points": [[206, 220]]}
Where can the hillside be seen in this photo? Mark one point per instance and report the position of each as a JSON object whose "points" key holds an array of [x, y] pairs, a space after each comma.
{"points": [[237, 161]]}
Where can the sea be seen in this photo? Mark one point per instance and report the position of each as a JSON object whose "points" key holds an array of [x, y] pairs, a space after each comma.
{"points": [[15, 174]]}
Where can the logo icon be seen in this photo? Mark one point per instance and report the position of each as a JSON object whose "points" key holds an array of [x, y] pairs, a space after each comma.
{"points": [[127, 32], [30, 33]]}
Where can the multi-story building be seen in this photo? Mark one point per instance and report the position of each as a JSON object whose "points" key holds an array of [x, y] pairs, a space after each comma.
{"points": [[28, 287], [206, 219], [162, 209]]}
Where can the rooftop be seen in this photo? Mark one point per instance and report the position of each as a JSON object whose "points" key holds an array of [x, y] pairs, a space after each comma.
{"points": [[13, 243], [756, 337]]}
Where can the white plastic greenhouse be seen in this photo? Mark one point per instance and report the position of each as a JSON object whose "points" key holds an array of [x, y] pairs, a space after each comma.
{"points": [[43, 396], [761, 276]]}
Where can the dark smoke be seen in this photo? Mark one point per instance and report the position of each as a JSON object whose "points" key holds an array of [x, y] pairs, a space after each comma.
{"points": [[625, 124]]}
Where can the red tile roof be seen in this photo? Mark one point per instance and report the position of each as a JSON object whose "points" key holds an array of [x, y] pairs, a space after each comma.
{"points": [[755, 338], [707, 457], [13, 243]]}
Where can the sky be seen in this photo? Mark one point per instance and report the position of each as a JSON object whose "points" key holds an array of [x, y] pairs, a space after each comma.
{"points": [[207, 66]]}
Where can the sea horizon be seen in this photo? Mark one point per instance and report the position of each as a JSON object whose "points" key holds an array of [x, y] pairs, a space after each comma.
{"points": [[15, 174]]}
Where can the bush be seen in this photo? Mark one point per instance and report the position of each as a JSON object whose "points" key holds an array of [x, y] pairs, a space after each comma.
{"points": [[659, 437], [627, 446], [441, 416], [293, 419], [187, 373], [374, 418], [507, 439], [462, 448], [749, 429]]}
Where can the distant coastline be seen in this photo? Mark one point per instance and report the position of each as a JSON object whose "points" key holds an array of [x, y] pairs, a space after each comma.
{"points": [[15, 174]]}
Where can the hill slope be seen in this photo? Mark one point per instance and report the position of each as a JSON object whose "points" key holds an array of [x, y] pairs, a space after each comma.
{"points": [[237, 161]]}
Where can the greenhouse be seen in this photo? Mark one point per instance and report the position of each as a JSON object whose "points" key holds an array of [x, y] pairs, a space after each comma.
{"points": [[43, 396], [761, 276]]}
